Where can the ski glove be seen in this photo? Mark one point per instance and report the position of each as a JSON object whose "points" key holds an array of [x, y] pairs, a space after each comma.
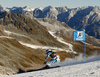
{"points": [[45, 62]]}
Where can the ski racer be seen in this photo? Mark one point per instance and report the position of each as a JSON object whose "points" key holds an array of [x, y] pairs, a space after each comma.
{"points": [[55, 58]]}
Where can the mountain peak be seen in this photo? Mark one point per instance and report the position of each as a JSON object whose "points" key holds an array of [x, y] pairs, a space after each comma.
{"points": [[25, 7], [0, 6], [40, 8], [48, 7], [3, 9]]}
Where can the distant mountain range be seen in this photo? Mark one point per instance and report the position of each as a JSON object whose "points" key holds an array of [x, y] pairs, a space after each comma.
{"points": [[78, 17], [82, 16]]}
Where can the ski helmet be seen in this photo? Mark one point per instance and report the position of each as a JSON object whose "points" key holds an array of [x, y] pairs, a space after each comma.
{"points": [[47, 51]]}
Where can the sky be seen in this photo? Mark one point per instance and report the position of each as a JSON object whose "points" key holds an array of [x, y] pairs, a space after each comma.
{"points": [[44, 3]]}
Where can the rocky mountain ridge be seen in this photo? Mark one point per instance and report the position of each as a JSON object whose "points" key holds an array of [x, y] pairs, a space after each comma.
{"points": [[81, 16]]}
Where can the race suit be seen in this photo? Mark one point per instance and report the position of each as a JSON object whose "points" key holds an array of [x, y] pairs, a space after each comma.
{"points": [[55, 58]]}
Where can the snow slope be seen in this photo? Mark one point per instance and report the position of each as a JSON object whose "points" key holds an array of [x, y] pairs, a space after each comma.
{"points": [[73, 68]]}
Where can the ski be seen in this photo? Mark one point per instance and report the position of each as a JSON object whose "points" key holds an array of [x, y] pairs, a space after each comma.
{"points": [[44, 68]]}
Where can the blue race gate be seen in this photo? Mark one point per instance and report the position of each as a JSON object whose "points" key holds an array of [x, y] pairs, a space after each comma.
{"points": [[79, 35]]}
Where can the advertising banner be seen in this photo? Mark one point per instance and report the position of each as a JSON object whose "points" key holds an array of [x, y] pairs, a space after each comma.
{"points": [[79, 35]]}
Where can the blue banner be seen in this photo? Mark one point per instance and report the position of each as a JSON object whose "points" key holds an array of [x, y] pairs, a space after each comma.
{"points": [[79, 35]]}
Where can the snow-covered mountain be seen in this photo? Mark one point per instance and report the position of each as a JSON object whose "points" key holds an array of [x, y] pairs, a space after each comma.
{"points": [[88, 16], [26, 8], [62, 9], [2, 9], [13, 8], [47, 12]]}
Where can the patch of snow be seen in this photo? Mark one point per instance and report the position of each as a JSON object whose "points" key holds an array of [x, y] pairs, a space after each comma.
{"points": [[41, 47], [26, 8], [6, 37], [9, 33], [61, 40], [41, 8]]}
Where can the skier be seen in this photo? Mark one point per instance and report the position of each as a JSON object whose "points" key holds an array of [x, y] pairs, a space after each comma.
{"points": [[55, 58]]}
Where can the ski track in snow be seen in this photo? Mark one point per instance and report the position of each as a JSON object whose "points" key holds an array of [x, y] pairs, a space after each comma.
{"points": [[89, 67]]}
